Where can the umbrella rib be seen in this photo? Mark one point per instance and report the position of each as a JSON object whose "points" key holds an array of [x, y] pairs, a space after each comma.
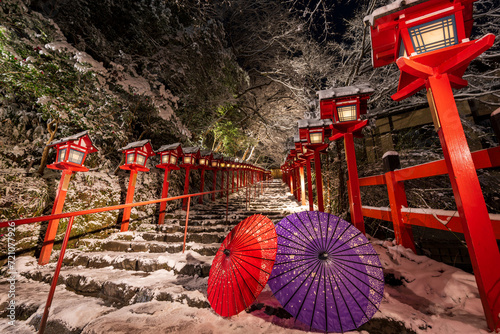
{"points": [[340, 236], [218, 271], [306, 241], [255, 257], [370, 287], [245, 281], [345, 303], [305, 250], [255, 243], [348, 290], [335, 301], [291, 261], [239, 289], [316, 297], [362, 272], [251, 232], [307, 293], [345, 242], [365, 264], [324, 293], [257, 249], [332, 239], [276, 292], [293, 241], [320, 231], [309, 257], [314, 241], [336, 254], [244, 224], [239, 258], [233, 294], [343, 250]]}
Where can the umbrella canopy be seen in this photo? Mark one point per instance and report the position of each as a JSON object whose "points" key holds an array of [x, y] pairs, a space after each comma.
{"points": [[242, 265], [327, 274]]}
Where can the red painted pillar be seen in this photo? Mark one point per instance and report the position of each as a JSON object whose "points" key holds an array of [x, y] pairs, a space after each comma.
{"points": [[319, 180], [232, 180], [354, 193], [221, 183], [215, 184], [202, 185], [129, 199], [478, 231], [309, 185], [164, 194], [302, 186], [291, 185], [50, 234], [186, 188]]}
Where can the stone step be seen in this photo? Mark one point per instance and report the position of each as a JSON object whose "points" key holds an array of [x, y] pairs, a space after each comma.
{"points": [[189, 263]]}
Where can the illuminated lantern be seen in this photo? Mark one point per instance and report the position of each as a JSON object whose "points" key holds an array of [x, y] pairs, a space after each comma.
{"points": [[305, 155], [429, 41], [71, 154], [191, 155], [169, 155], [136, 157], [204, 163]]}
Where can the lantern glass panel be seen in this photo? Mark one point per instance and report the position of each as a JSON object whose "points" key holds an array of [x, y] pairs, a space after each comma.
{"points": [[76, 156], [223, 164], [173, 159], [402, 50], [141, 159], [187, 160], [202, 161], [347, 113], [164, 159], [62, 155], [214, 163], [434, 35], [130, 158], [316, 137]]}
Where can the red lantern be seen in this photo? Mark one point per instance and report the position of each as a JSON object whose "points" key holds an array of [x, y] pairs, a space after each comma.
{"points": [[136, 155], [169, 155], [191, 155]]}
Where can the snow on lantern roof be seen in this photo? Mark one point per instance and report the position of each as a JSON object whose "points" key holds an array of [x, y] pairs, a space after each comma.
{"points": [[88, 142], [206, 153], [169, 147], [391, 8], [345, 91], [135, 144], [191, 150], [296, 139], [217, 156], [314, 123]]}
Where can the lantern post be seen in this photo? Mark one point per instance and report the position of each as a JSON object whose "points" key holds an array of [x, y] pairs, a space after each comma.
{"points": [[429, 41], [344, 106], [222, 167], [303, 160], [136, 157], [204, 163], [215, 168], [191, 155], [169, 156], [71, 154], [314, 131]]}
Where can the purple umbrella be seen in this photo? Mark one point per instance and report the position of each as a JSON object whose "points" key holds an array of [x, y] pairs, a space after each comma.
{"points": [[326, 273]]}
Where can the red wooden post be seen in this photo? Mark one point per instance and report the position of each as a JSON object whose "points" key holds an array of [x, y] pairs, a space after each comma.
{"points": [[302, 186], [291, 185], [215, 184], [50, 235], [186, 187], [221, 183], [202, 186], [53, 285], [319, 180], [187, 219], [309, 185], [232, 180], [397, 199], [129, 199], [478, 231], [164, 194], [355, 195]]}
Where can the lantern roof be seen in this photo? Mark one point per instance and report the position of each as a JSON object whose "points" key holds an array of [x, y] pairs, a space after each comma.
{"points": [[191, 150], [217, 156], [331, 93], [314, 123], [389, 9], [171, 147], [206, 153], [81, 135], [137, 144]]}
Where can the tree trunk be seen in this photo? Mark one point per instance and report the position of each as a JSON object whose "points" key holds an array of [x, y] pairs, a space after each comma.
{"points": [[45, 154]]}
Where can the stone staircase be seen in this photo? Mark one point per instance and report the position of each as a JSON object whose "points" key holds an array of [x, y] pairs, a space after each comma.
{"points": [[145, 264]]}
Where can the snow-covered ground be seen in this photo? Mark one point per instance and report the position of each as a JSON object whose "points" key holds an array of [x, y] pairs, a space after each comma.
{"points": [[421, 296]]}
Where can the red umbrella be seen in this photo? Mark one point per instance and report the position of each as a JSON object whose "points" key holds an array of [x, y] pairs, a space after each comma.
{"points": [[242, 265]]}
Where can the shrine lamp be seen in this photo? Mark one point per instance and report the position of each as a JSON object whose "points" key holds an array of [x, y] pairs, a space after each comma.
{"points": [[72, 151], [344, 105], [205, 158], [313, 131], [169, 155], [136, 155], [191, 155]]}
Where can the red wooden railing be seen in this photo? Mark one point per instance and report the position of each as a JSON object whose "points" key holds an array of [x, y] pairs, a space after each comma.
{"points": [[404, 217], [72, 215]]}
